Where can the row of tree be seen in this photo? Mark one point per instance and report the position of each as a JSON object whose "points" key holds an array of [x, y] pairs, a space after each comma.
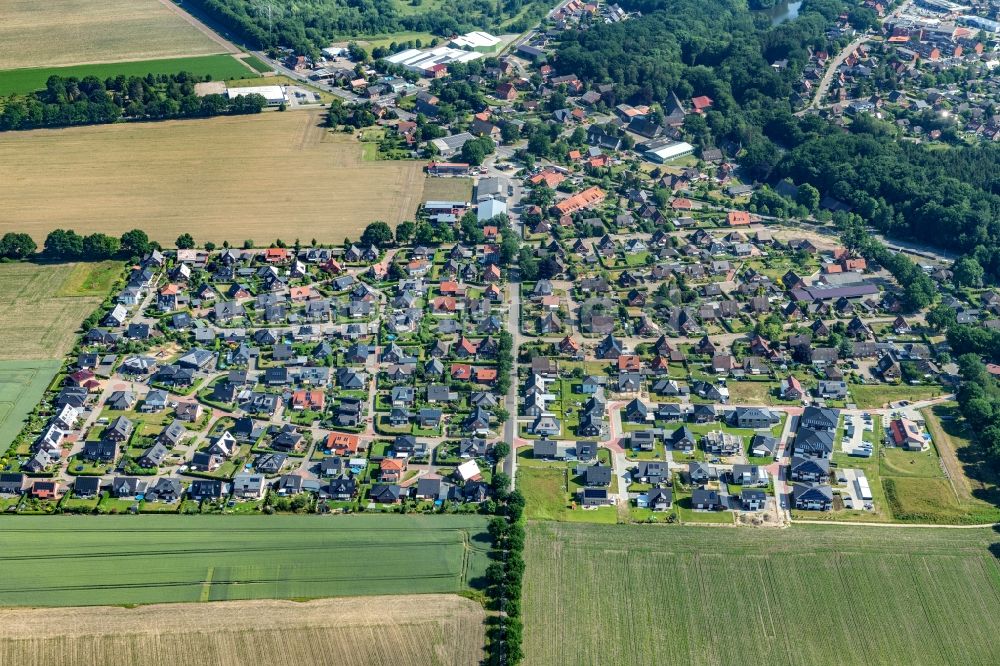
{"points": [[68, 101], [505, 575], [67, 245]]}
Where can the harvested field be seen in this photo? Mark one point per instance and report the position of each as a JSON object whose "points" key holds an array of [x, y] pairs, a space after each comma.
{"points": [[806, 595], [52, 561], [228, 178], [42, 305], [398, 630], [72, 32]]}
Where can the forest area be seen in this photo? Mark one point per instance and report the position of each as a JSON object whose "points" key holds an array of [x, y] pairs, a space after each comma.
{"points": [[309, 25]]}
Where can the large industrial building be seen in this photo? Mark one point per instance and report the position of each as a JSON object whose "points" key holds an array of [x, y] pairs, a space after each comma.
{"points": [[274, 95], [664, 150], [431, 63], [483, 42]]}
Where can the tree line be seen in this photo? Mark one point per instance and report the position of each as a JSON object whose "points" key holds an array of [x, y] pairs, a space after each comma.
{"points": [[504, 576], [979, 400], [69, 101], [67, 245]]}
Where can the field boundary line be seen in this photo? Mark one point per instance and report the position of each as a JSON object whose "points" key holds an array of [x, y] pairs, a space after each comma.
{"points": [[848, 523]]}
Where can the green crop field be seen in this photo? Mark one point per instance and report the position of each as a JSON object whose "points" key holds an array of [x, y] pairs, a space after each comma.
{"points": [[219, 67], [806, 595], [22, 384], [52, 561]]}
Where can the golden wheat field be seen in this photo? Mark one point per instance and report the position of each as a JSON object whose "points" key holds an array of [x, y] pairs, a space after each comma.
{"points": [[417, 630], [49, 33], [230, 178]]}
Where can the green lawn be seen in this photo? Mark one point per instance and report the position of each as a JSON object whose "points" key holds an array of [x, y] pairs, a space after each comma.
{"points": [[897, 462], [22, 384], [869, 396], [755, 392], [55, 561], [219, 67], [636, 595], [91, 279], [261, 66], [546, 495]]}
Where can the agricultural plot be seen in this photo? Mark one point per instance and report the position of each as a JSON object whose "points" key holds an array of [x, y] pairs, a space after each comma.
{"points": [[227, 178], [71, 32], [22, 384], [100, 561], [806, 595], [445, 630], [219, 67], [42, 306]]}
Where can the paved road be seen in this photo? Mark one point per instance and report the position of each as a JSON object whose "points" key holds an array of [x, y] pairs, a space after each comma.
{"points": [[835, 64], [510, 401], [831, 69]]}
